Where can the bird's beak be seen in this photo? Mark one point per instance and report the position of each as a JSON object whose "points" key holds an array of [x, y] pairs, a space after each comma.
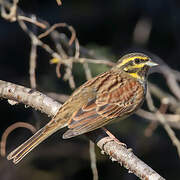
{"points": [[151, 63]]}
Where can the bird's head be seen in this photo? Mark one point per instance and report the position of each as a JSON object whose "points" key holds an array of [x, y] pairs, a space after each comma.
{"points": [[136, 65]]}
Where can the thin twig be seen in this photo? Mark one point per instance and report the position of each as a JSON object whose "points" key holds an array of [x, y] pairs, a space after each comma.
{"points": [[169, 131], [58, 73], [53, 27], [168, 73], [69, 76], [33, 21], [32, 62], [150, 129], [172, 119], [9, 130], [160, 116], [149, 101], [174, 104], [173, 85], [93, 160], [12, 9], [77, 49]]}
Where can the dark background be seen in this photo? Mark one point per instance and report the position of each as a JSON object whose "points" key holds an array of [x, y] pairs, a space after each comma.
{"points": [[107, 27]]}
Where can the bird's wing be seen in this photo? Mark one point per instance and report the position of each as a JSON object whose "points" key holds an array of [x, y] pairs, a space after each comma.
{"points": [[110, 103]]}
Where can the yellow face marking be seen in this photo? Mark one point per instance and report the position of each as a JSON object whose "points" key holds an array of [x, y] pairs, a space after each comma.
{"points": [[130, 59], [135, 75]]}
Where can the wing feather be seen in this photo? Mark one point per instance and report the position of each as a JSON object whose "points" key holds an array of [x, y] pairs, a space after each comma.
{"points": [[108, 104]]}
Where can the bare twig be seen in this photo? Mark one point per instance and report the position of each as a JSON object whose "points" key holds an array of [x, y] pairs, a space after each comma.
{"points": [[58, 69], [173, 85], [13, 16], [59, 97], [174, 104], [93, 160], [150, 101], [9, 130], [52, 28], [69, 76], [32, 62], [150, 129], [160, 116], [172, 119], [33, 21], [123, 156], [77, 49], [170, 132], [177, 74], [169, 74], [12, 8], [29, 97], [78, 60]]}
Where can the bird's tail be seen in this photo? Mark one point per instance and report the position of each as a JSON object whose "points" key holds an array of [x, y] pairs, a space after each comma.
{"points": [[35, 140]]}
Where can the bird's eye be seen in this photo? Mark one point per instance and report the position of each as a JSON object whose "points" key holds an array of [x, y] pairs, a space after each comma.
{"points": [[137, 61]]}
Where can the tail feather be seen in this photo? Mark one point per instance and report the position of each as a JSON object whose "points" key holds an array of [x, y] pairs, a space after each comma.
{"points": [[32, 142], [27, 146]]}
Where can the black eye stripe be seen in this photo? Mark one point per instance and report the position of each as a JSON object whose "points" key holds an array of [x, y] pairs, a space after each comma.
{"points": [[134, 62], [138, 61]]}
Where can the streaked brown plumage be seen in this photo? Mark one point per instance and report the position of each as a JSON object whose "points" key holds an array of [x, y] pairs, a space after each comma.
{"points": [[116, 93]]}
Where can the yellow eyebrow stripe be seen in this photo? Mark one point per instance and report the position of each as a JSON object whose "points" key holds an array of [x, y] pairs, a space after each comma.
{"points": [[131, 58], [137, 66]]}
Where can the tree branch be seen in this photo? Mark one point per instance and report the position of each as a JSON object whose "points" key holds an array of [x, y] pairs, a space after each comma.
{"points": [[47, 105], [29, 97]]}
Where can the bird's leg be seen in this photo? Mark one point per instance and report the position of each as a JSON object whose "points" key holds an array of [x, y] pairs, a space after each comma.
{"points": [[113, 138]]}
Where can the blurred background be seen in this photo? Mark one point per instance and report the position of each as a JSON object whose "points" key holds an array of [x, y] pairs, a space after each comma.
{"points": [[109, 29]]}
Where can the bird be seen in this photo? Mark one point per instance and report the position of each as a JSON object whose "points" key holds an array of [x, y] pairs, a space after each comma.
{"points": [[114, 94]]}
